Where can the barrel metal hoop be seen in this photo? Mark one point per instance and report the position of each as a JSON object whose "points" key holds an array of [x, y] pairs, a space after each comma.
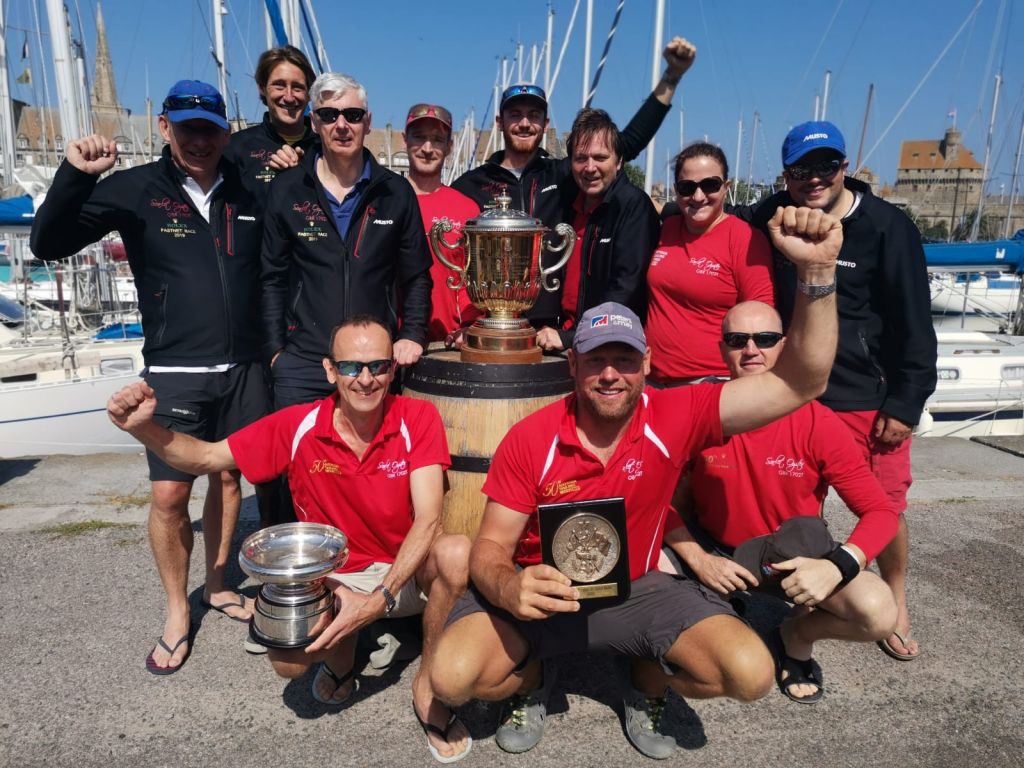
{"points": [[479, 464]]}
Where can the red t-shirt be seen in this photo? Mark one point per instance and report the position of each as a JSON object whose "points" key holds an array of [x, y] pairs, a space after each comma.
{"points": [[693, 280], [574, 267], [368, 499], [541, 461], [751, 484], [449, 310]]}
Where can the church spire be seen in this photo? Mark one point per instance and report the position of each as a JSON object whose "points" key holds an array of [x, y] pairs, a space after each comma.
{"points": [[104, 92]]}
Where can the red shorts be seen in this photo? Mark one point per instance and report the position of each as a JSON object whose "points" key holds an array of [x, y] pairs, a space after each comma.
{"points": [[890, 464]]}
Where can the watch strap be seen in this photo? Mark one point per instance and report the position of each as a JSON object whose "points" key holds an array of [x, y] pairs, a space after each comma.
{"points": [[815, 291], [390, 603]]}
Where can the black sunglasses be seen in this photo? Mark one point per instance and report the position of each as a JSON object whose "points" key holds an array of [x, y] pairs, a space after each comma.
{"points": [[329, 115], [205, 103], [354, 368], [825, 170], [762, 339], [687, 188]]}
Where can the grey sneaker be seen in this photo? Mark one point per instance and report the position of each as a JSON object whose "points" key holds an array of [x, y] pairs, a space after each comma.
{"points": [[643, 725], [522, 716], [251, 646]]}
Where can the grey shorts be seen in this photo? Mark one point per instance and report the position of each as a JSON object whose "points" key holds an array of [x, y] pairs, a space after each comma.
{"points": [[659, 608], [410, 600]]}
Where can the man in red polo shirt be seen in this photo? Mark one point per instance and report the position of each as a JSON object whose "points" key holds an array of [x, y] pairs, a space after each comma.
{"points": [[757, 481], [612, 437], [370, 464]]}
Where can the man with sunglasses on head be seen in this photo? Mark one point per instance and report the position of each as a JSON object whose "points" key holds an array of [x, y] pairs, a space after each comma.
{"points": [[343, 237], [756, 481], [192, 235], [885, 364], [370, 464]]}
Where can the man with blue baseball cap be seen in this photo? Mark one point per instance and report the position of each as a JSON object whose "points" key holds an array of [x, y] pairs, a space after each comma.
{"points": [[885, 364], [192, 234]]}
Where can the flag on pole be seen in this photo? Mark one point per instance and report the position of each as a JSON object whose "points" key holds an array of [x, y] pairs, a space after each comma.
{"points": [[25, 78]]}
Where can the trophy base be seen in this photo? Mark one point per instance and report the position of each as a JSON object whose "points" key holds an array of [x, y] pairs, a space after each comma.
{"points": [[489, 345]]}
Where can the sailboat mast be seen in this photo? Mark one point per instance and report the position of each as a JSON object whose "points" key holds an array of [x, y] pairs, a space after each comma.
{"points": [[218, 43], [864, 128], [1014, 182], [6, 105], [64, 70], [976, 227], [659, 34], [587, 34]]}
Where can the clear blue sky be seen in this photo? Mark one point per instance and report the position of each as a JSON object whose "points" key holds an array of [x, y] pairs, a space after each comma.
{"points": [[765, 56]]}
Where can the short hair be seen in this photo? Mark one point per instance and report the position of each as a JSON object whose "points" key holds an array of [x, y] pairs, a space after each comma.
{"points": [[702, 149], [361, 321], [590, 123], [289, 54], [331, 84]]}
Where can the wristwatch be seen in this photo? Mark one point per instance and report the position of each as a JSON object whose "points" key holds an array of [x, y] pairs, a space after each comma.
{"points": [[389, 600], [815, 291]]}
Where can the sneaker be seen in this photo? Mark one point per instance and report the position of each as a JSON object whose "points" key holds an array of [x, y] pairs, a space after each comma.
{"points": [[522, 716], [251, 646], [643, 725]]}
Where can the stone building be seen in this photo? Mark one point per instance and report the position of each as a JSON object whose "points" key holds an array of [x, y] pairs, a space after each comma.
{"points": [[941, 181]]}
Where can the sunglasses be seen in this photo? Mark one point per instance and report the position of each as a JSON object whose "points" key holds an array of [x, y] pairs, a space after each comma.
{"points": [[329, 115], [825, 170], [354, 368], [515, 91], [687, 188], [206, 103], [762, 339]]}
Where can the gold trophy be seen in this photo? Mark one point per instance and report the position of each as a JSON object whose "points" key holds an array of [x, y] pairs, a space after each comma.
{"points": [[503, 276]]}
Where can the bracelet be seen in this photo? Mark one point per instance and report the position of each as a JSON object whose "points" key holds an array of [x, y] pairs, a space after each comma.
{"points": [[815, 291], [847, 564]]}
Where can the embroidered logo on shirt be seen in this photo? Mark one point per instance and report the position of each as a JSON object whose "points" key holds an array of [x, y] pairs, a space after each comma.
{"points": [[604, 240], [786, 466], [394, 468], [716, 461], [633, 468], [314, 217], [558, 487], [247, 218], [658, 256], [851, 264], [704, 266], [383, 221], [549, 188], [175, 212], [322, 465]]}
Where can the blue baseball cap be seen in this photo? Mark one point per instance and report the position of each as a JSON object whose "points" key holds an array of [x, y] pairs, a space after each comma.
{"points": [[524, 91], [195, 100], [806, 137], [609, 323]]}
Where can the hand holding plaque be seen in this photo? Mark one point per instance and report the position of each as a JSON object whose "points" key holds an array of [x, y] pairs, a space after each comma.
{"points": [[586, 541]]}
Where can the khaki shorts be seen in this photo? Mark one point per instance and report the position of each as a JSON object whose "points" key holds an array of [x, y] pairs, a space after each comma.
{"points": [[410, 600]]}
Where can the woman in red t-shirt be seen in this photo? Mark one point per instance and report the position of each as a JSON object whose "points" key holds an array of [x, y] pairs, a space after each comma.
{"points": [[707, 261]]}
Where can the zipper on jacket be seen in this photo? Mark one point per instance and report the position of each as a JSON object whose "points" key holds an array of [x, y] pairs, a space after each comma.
{"points": [[229, 227], [867, 353], [214, 218], [370, 211]]}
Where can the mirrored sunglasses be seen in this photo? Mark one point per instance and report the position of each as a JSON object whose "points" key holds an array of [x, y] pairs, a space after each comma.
{"points": [[762, 339], [354, 368], [825, 170], [710, 185], [329, 115], [206, 103]]}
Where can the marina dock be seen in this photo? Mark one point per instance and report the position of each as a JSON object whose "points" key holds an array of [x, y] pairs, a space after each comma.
{"points": [[81, 606]]}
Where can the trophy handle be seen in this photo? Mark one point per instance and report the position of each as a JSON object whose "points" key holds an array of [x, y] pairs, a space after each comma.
{"points": [[568, 243], [439, 243]]}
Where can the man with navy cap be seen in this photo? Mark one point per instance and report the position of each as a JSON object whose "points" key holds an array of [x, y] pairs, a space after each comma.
{"points": [[192, 235], [885, 364]]}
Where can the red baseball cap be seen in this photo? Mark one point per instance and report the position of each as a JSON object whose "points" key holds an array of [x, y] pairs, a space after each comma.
{"points": [[422, 111]]}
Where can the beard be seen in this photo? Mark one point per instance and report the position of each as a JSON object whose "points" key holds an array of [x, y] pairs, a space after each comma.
{"points": [[607, 411]]}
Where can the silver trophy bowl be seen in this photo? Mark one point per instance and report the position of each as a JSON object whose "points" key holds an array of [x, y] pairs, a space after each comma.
{"points": [[291, 560]]}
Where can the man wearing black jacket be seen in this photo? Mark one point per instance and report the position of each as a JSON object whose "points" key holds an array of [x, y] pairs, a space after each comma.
{"points": [[343, 237], [885, 363], [192, 233], [616, 229]]}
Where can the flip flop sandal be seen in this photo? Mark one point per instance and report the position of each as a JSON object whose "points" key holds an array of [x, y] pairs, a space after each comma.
{"points": [[223, 608], [338, 682], [904, 641], [442, 733], [155, 669], [798, 672]]}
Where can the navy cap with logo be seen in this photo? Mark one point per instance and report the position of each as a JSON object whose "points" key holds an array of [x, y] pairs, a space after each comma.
{"points": [[195, 100], [809, 136], [609, 323], [801, 536], [524, 91]]}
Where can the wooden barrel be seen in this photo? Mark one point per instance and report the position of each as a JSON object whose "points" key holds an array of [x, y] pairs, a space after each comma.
{"points": [[478, 402]]}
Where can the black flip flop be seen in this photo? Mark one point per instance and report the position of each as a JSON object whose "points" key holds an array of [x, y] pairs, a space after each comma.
{"points": [[155, 669], [222, 608], [338, 680], [442, 733]]}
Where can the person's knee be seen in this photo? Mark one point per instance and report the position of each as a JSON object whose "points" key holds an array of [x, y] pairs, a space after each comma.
{"points": [[876, 612], [451, 552], [285, 666], [748, 672], [453, 674], [170, 498]]}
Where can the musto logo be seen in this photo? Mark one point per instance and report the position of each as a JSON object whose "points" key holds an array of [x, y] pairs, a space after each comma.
{"points": [[394, 468]]}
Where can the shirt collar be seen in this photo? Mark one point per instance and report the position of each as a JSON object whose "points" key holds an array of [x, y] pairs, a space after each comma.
{"points": [[391, 424]]}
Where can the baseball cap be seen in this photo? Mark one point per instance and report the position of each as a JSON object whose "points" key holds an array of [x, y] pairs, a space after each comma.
{"points": [[421, 111], [524, 91], [606, 324], [806, 137], [801, 536], [195, 100]]}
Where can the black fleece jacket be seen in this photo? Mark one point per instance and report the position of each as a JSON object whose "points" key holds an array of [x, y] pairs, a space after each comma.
{"points": [[197, 282], [250, 150], [887, 348], [313, 278]]}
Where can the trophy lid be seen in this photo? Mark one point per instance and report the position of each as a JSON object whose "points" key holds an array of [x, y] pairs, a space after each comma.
{"points": [[503, 218], [293, 552]]}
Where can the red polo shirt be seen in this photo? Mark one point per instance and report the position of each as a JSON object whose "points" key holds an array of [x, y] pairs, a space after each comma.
{"points": [[449, 310], [541, 461], [368, 499], [574, 267], [751, 484], [693, 280]]}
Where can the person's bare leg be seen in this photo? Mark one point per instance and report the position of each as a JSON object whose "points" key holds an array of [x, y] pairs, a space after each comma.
{"points": [[476, 657], [170, 537], [892, 564], [443, 577], [220, 516], [293, 664]]}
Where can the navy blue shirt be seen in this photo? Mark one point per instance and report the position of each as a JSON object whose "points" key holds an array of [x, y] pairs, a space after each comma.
{"points": [[342, 210]]}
